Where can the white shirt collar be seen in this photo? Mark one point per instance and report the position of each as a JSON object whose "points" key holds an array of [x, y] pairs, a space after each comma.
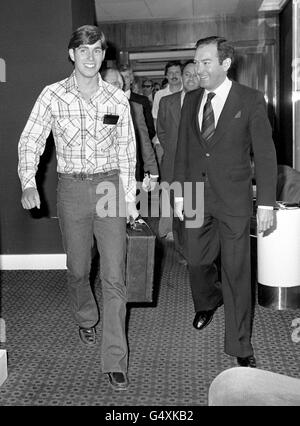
{"points": [[222, 90]]}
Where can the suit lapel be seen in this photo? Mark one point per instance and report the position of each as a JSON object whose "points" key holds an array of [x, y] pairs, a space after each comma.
{"points": [[231, 107], [176, 107]]}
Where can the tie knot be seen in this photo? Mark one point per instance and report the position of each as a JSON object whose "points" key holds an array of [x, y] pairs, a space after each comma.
{"points": [[210, 96]]}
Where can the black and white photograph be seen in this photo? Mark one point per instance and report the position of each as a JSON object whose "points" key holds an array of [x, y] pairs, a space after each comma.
{"points": [[149, 206]]}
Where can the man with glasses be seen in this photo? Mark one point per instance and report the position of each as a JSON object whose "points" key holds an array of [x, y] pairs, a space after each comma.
{"points": [[147, 87]]}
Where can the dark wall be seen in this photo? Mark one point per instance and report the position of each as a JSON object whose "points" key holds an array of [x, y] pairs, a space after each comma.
{"points": [[83, 12], [34, 35], [285, 145]]}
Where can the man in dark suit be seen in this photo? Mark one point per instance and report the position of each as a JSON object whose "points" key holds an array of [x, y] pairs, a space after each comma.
{"points": [[220, 124], [168, 119], [145, 155], [128, 77]]}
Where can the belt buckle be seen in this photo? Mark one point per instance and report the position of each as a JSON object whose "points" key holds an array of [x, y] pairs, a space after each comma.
{"points": [[85, 176]]}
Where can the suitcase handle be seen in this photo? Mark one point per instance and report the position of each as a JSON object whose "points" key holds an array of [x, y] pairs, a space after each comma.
{"points": [[134, 223]]}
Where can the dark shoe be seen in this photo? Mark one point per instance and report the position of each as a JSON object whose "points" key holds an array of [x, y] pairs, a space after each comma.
{"points": [[87, 335], [248, 361], [118, 380], [203, 318]]}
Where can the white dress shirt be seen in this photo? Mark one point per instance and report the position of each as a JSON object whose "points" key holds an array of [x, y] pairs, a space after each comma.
{"points": [[217, 102]]}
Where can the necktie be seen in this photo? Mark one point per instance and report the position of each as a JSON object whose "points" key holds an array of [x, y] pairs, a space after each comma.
{"points": [[208, 120]]}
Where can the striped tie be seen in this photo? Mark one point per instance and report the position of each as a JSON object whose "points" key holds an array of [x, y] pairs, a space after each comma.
{"points": [[208, 121]]}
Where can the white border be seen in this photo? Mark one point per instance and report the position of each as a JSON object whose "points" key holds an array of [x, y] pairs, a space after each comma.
{"points": [[32, 261]]}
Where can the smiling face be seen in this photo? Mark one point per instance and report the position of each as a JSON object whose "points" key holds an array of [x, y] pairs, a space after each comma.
{"points": [[190, 79], [208, 67], [87, 59]]}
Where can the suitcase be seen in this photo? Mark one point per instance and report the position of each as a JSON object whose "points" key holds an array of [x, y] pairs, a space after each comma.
{"points": [[140, 262]]}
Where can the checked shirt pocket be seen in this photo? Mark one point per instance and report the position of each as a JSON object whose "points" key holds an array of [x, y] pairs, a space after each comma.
{"points": [[69, 130], [105, 134]]}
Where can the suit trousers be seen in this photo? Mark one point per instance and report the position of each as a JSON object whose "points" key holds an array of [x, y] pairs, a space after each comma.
{"points": [[228, 236], [77, 205]]}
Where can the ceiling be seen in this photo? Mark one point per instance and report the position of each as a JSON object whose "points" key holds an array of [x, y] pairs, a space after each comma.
{"points": [[151, 64], [142, 10]]}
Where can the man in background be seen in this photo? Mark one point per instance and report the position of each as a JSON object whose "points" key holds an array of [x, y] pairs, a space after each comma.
{"points": [[145, 158], [128, 77], [168, 119], [173, 71], [147, 88]]}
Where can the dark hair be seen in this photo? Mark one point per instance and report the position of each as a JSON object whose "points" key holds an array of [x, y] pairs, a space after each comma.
{"points": [[189, 61], [87, 34], [172, 64], [147, 79], [225, 49]]}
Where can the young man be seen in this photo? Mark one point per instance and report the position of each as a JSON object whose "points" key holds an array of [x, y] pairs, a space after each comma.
{"points": [[221, 123], [95, 148]]}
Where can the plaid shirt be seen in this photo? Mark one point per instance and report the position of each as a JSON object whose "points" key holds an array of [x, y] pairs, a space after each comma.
{"points": [[84, 144]]}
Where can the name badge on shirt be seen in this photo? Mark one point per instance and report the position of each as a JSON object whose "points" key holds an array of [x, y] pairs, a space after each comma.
{"points": [[110, 119]]}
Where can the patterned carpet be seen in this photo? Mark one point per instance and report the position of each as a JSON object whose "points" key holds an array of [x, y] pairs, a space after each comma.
{"points": [[171, 364]]}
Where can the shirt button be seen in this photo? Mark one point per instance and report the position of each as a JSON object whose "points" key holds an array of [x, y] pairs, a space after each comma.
{"points": [[207, 154]]}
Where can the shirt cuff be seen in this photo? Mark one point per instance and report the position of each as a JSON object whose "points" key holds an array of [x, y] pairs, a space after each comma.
{"points": [[266, 207]]}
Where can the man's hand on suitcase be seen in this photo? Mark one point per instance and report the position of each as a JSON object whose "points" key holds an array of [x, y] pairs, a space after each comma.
{"points": [[30, 199], [131, 210]]}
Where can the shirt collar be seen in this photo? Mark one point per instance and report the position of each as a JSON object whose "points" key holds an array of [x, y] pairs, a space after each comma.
{"points": [[71, 83], [222, 90]]}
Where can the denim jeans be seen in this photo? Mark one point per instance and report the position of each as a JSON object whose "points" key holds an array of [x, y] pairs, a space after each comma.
{"points": [[77, 202]]}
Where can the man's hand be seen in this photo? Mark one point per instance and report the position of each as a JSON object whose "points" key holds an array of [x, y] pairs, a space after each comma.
{"points": [[178, 208], [30, 199], [159, 151], [149, 183], [265, 219], [131, 210]]}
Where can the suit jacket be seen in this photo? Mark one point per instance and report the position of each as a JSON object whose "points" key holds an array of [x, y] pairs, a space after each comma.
{"points": [[224, 161], [145, 156], [144, 101], [167, 125]]}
